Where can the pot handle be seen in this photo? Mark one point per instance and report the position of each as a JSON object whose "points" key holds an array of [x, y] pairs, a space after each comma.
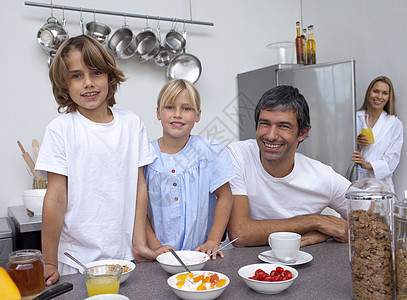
{"points": [[52, 20], [184, 33], [63, 17], [81, 23], [158, 30]]}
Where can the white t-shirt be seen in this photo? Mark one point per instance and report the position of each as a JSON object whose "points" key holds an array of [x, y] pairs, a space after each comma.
{"points": [[101, 162], [308, 189]]}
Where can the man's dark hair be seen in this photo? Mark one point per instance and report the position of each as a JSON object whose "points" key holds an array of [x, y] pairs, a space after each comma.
{"points": [[285, 97]]}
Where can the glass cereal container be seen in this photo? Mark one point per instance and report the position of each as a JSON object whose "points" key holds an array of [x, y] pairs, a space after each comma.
{"points": [[400, 246], [370, 219]]}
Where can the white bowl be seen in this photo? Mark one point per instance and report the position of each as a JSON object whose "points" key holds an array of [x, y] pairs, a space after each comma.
{"points": [[33, 200], [120, 262], [266, 287], [197, 295], [194, 260]]}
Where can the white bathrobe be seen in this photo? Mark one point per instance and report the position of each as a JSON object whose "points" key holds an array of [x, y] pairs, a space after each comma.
{"points": [[384, 154]]}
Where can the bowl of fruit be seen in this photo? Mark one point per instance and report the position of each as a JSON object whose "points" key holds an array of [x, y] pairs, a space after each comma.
{"points": [[268, 278], [198, 284]]}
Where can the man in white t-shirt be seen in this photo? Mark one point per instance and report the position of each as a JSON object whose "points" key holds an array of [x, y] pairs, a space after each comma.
{"points": [[277, 189]]}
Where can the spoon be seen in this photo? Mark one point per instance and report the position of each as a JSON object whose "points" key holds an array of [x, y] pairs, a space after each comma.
{"points": [[77, 261], [222, 247], [179, 259], [275, 258]]}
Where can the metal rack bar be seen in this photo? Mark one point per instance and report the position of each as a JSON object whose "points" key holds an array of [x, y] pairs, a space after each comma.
{"points": [[114, 13]]}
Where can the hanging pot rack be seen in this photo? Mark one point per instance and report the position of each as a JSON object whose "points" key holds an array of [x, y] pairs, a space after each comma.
{"points": [[114, 13]]}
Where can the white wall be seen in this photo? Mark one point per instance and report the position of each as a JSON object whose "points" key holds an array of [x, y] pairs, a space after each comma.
{"points": [[368, 31]]}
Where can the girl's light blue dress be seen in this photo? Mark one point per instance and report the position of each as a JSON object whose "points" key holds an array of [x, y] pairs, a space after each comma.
{"points": [[181, 191]]}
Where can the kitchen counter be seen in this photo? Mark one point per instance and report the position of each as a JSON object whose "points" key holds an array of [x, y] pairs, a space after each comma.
{"points": [[327, 276]]}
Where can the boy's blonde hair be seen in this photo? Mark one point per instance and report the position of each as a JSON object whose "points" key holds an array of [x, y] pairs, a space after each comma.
{"points": [[95, 57], [173, 88]]}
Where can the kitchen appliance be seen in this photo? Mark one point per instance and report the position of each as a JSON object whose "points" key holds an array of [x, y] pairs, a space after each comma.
{"points": [[26, 229], [330, 92], [6, 241]]}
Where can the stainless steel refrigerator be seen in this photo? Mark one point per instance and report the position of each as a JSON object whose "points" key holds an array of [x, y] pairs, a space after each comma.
{"points": [[330, 92]]}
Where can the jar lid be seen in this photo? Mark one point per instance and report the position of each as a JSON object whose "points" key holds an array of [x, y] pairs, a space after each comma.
{"points": [[24, 256], [369, 189]]}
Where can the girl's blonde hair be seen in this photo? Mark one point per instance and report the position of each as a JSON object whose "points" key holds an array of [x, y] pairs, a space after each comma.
{"points": [[95, 57], [390, 106], [173, 88]]}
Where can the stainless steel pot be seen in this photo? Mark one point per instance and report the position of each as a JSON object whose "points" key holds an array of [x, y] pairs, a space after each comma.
{"points": [[184, 66], [148, 44], [162, 58], [98, 31], [174, 41], [122, 43], [52, 35]]}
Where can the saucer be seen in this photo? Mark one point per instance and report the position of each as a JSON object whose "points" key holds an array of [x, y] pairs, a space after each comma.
{"points": [[302, 258]]}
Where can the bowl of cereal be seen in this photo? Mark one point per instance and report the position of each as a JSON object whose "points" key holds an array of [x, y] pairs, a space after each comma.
{"points": [[127, 266], [198, 284], [194, 260], [268, 278]]}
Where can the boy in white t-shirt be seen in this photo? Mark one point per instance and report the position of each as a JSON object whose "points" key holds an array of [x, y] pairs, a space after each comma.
{"points": [[93, 156], [277, 189]]}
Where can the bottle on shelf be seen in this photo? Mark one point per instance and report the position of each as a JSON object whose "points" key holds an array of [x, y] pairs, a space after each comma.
{"points": [[299, 45], [311, 51], [304, 46]]}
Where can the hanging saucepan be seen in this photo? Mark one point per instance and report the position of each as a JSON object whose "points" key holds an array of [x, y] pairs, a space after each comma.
{"points": [[148, 44], [52, 35], [122, 43], [98, 31], [184, 66], [162, 58], [174, 41]]}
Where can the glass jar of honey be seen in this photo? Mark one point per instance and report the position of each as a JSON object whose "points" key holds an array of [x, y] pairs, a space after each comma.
{"points": [[26, 268]]}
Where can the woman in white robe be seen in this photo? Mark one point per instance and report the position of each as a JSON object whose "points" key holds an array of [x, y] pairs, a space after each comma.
{"points": [[380, 159]]}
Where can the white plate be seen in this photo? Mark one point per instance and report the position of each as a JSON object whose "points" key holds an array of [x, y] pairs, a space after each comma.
{"points": [[302, 258]]}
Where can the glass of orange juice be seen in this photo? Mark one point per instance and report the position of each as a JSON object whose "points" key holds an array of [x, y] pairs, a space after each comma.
{"points": [[369, 134], [103, 279]]}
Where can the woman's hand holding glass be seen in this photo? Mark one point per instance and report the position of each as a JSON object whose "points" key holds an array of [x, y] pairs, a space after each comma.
{"points": [[362, 141]]}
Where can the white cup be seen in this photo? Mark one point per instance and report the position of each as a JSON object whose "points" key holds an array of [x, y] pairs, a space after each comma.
{"points": [[285, 246]]}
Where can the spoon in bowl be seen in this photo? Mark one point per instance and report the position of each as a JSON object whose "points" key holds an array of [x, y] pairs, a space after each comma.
{"points": [[77, 261], [180, 260], [222, 247]]}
